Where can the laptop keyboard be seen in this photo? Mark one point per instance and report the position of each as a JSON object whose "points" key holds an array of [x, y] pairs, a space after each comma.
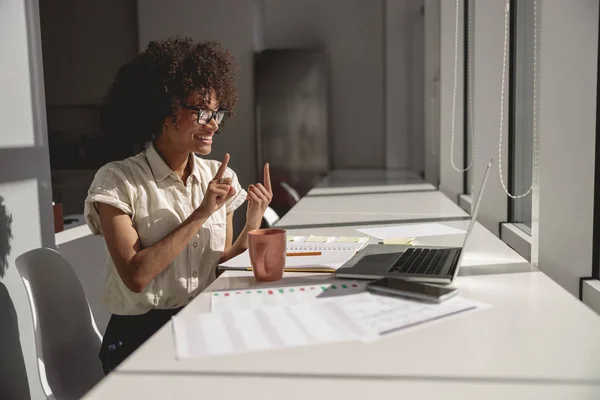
{"points": [[421, 261]]}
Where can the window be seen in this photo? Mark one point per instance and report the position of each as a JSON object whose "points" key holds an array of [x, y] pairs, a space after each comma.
{"points": [[520, 119], [596, 221], [469, 20]]}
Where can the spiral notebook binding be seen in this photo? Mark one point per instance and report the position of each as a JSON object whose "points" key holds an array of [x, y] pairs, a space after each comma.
{"points": [[319, 246]]}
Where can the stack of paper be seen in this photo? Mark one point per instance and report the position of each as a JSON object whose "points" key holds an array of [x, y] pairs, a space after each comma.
{"points": [[198, 335], [335, 252], [363, 316]]}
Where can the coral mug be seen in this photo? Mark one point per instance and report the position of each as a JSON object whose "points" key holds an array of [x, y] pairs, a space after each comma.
{"points": [[267, 253]]}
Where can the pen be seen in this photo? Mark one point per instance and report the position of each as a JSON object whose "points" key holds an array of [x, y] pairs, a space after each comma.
{"points": [[305, 253]]}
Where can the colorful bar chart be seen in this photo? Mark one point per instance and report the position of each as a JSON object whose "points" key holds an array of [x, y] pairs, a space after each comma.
{"points": [[281, 296]]}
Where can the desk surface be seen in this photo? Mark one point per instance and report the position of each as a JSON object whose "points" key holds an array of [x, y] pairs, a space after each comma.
{"points": [[365, 177], [371, 208], [534, 330], [483, 248], [382, 188], [369, 181], [535, 341], [250, 385], [522, 335]]}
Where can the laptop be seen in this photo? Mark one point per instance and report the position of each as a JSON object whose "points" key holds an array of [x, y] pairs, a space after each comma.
{"points": [[431, 264]]}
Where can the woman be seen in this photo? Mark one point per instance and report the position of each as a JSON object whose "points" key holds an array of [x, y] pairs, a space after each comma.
{"points": [[166, 214]]}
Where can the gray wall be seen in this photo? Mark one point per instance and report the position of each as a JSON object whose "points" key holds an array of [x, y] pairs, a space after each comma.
{"points": [[231, 23], [352, 33], [25, 188], [88, 255], [353, 36], [403, 91], [94, 40], [563, 204]]}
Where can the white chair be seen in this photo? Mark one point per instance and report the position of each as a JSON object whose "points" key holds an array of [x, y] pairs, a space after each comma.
{"points": [[270, 217], [67, 339], [293, 193]]}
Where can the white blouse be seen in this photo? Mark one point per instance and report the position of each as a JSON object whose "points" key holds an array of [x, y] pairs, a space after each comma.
{"points": [[145, 188]]}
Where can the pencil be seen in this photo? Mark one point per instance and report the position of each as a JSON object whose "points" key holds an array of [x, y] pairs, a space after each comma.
{"points": [[306, 253], [300, 269]]}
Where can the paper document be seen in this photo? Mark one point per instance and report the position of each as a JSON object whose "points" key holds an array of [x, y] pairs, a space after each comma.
{"points": [[231, 300], [314, 242], [362, 316], [198, 335], [385, 314], [328, 260], [335, 252], [410, 231]]}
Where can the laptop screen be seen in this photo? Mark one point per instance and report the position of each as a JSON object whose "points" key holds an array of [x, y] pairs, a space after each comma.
{"points": [[474, 212]]}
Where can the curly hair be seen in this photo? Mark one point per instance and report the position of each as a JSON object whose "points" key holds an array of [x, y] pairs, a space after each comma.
{"points": [[155, 83], [5, 237]]}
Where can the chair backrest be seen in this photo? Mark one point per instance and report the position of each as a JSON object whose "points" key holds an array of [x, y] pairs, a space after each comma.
{"points": [[293, 193], [67, 339], [270, 217]]}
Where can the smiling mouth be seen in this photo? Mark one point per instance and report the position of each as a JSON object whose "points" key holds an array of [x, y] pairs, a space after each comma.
{"points": [[203, 138]]}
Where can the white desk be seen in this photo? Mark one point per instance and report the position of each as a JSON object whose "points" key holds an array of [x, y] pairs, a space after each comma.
{"points": [[536, 341], [225, 386], [367, 208], [534, 330], [366, 176], [369, 181], [358, 189], [503, 342]]}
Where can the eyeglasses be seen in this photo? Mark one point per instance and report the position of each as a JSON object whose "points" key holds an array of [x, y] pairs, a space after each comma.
{"points": [[205, 115]]}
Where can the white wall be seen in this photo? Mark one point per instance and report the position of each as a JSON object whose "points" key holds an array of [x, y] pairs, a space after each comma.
{"points": [[25, 188], [352, 33], [563, 199], [567, 117]]}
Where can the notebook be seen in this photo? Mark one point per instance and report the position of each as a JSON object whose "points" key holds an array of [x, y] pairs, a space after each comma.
{"points": [[335, 252]]}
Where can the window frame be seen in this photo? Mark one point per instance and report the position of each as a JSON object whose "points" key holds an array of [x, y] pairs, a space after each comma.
{"points": [[589, 291]]}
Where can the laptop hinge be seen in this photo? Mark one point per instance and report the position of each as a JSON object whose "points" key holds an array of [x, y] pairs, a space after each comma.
{"points": [[454, 262]]}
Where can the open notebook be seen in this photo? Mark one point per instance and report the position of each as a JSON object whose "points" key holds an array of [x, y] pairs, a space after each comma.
{"points": [[335, 251]]}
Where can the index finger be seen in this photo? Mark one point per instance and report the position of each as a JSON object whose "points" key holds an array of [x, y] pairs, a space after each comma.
{"points": [[223, 167], [267, 177]]}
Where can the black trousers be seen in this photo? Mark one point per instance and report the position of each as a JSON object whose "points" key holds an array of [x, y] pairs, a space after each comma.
{"points": [[125, 333]]}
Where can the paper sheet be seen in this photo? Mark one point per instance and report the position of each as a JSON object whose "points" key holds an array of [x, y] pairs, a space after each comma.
{"points": [[207, 334], [336, 251], [385, 314], [410, 231], [362, 316], [231, 300], [327, 260]]}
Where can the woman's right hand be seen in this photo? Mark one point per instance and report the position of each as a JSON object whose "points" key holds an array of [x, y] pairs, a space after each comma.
{"points": [[218, 192]]}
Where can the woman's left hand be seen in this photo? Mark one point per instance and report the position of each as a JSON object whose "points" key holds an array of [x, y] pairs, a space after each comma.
{"points": [[259, 198]]}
